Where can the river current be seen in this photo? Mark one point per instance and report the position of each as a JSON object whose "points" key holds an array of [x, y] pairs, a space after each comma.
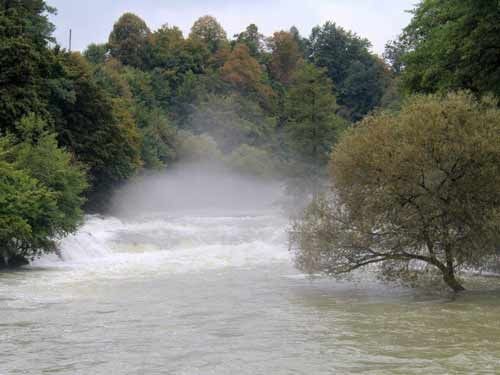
{"points": [[217, 293]]}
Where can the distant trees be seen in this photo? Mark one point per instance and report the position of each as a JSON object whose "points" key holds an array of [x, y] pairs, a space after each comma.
{"points": [[242, 70], [93, 126], [232, 120], [209, 31], [25, 61], [450, 45], [358, 76], [312, 127], [285, 56], [253, 39], [129, 41], [146, 98], [422, 185]]}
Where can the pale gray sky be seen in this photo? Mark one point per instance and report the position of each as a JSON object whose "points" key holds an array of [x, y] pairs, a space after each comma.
{"points": [[92, 20]]}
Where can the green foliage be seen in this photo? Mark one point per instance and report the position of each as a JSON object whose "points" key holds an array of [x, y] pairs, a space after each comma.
{"points": [[96, 53], [232, 121], [40, 191], [54, 168], [312, 125], [158, 138], [452, 44], [197, 148], [25, 60], [429, 191], [129, 41], [27, 210], [97, 129], [208, 30], [252, 39], [175, 56], [285, 56], [357, 75], [252, 160]]}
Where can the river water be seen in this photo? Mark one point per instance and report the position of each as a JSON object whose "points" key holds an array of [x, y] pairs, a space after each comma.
{"points": [[200, 293]]}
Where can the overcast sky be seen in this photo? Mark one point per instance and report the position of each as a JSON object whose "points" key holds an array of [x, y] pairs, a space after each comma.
{"points": [[92, 20]]}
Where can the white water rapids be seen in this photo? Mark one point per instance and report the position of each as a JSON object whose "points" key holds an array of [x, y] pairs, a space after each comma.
{"points": [[194, 277]]}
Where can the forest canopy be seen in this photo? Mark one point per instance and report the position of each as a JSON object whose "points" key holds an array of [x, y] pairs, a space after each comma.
{"points": [[75, 126], [313, 111]]}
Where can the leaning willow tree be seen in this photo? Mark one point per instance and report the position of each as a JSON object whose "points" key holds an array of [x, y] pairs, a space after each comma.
{"points": [[421, 187]]}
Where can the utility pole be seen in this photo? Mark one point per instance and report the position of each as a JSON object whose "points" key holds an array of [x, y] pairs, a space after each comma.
{"points": [[70, 36]]}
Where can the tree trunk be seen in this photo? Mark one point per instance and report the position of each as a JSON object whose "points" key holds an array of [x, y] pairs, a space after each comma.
{"points": [[449, 272], [450, 279]]}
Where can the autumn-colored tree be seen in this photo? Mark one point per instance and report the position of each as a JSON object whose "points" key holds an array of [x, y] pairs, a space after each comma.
{"points": [[242, 70], [418, 189], [209, 30], [129, 41], [285, 56]]}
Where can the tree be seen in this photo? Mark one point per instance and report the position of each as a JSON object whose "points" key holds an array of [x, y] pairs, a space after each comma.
{"points": [[197, 148], [231, 121], [96, 53], [312, 126], [252, 39], [129, 41], [412, 189], [25, 60], [452, 44], [252, 160], [176, 55], [40, 192], [311, 129], [393, 55], [96, 128], [208, 30], [242, 70], [356, 74], [27, 209], [55, 168], [285, 56], [158, 138], [302, 42]]}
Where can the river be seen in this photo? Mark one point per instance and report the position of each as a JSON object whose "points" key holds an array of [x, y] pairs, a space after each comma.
{"points": [[217, 293]]}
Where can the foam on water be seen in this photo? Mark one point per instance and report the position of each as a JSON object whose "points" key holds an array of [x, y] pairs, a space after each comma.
{"points": [[172, 244]]}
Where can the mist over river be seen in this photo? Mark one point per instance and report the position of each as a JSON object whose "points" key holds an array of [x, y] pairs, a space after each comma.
{"points": [[192, 275]]}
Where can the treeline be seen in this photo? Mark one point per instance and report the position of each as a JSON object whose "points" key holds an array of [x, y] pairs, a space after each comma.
{"points": [[416, 190], [74, 126]]}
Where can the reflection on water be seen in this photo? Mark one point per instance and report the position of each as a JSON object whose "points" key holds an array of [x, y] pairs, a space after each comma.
{"points": [[218, 295]]}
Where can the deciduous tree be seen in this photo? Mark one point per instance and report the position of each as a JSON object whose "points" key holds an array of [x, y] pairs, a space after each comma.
{"points": [[209, 30], [130, 41], [285, 56], [419, 187], [453, 44]]}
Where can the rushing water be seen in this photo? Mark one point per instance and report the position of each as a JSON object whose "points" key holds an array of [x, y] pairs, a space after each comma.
{"points": [[217, 294]]}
